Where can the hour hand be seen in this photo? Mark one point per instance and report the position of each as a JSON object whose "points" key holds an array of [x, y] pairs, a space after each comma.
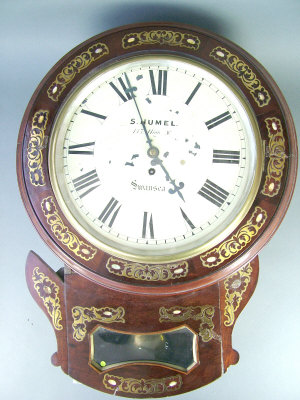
{"points": [[176, 188], [158, 161]]}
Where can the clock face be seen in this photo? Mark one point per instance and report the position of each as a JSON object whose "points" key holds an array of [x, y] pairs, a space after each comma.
{"points": [[155, 158]]}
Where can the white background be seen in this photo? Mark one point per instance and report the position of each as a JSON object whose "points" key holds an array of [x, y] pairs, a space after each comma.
{"points": [[34, 35]]}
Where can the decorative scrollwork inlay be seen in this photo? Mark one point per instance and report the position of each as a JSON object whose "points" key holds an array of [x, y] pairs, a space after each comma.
{"points": [[204, 314], [244, 73], [276, 153], [48, 291], [235, 286], [82, 315], [142, 272], [236, 242], [161, 37], [142, 386], [80, 62], [36, 144], [63, 233]]}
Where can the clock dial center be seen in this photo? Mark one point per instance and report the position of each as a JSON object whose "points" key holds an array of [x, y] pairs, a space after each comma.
{"points": [[153, 152]]}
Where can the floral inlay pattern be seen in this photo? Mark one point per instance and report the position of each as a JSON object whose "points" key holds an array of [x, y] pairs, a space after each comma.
{"points": [[63, 233], [75, 66], [235, 286], [142, 386], [276, 153], [142, 272], [236, 242], [244, 73], [36, 144], [204, 314], [161, 37], [82, 315], [48, 291]]}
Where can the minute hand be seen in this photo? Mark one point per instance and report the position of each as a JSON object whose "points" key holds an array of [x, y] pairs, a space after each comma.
{"points": [[131, 90]]}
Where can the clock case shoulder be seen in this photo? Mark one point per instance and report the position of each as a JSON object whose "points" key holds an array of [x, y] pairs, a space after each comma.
{"points": [[47, 289]]}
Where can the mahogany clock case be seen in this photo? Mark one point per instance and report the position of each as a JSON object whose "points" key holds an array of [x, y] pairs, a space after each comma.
{"points": [[34, 36], [278, 139]]}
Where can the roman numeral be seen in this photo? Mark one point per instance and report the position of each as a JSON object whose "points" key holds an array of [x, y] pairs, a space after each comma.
{"points": [[93, 114], [187, 220], [212, 123], [147, 226], [126, 92], [191, 96], [213, 193], [160, 87], [86, 181], [110, 211], [226, 157], [77, 148]]}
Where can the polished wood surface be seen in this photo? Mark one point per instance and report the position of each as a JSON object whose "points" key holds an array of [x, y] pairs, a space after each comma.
{"points": [[142, 314]]}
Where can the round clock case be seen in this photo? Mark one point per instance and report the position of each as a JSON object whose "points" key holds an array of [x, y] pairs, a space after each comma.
{"points": [[155, 159]]}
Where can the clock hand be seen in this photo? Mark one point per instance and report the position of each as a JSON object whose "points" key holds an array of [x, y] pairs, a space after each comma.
{"points": [[153, 151], [158, 161], [131, 90]]}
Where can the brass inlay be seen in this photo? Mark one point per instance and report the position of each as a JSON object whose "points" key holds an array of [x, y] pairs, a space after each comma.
{"points": [[63, 233], [142, 386], [82, 315], [276, 153], [48, 291], [75, 66], [147, 272], [235, 286], [36, 144], [236, 242], [161, 37], [244, 73], [204, 314]]}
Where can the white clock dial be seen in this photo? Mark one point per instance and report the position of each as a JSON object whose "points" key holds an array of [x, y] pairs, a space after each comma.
{"points": [[155, 157]]}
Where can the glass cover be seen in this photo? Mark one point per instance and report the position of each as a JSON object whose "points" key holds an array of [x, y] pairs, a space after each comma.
{"points": [[175, 348], [155, 158]]}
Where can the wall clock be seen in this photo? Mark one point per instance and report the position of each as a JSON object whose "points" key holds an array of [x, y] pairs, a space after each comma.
{"points": [[156, 160]]}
